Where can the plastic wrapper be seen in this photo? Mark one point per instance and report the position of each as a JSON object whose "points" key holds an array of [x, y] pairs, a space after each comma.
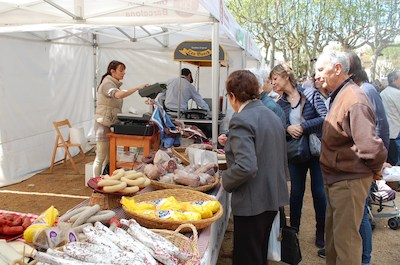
{"points": [[45, 220]]}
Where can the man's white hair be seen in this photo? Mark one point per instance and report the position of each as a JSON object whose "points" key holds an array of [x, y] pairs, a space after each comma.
{"points": [[337, 57], [258, 75], [262, 75]]}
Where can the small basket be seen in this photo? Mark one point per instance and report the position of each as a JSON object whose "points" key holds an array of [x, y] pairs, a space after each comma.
{"points": [[106, 201], [188, 245], [157, 185], [180, 195]]}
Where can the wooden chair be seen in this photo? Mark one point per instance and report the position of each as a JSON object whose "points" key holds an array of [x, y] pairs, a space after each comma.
{"points": [[61, 142]]}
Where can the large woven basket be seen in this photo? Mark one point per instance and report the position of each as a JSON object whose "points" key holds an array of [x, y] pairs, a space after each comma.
{"points": [[180, 195], [160, 185], [186, 244], [106, 201]]}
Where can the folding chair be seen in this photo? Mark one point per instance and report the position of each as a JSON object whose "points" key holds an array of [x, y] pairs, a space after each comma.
{"points": [[61, 142]]}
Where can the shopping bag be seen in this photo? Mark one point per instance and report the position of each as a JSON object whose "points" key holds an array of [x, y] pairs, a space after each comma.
{"points": [[290, 246], [274, 243]]}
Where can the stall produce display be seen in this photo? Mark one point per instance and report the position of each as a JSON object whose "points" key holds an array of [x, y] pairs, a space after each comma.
{"points": [[169, 208], [12, 224], [135, 245], [167, 171], [124, 182]]}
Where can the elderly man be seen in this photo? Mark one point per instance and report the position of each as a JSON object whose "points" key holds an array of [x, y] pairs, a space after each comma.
{"points": [[351, 155]]}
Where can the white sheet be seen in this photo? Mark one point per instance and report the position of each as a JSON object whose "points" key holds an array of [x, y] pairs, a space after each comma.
{"points": [[54, 84]]}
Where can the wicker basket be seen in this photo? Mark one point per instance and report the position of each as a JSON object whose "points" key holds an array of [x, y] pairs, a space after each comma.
{"points": [[160, 185], [106, 201], [180, 195], [187, 245]]}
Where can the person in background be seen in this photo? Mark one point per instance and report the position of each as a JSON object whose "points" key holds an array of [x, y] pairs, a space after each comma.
{"points": [[266, 100], [305, 113], [256, 168], [351, 156], [323, 92], [170, 97], [267, 86], [391, 101], [108, 105]]}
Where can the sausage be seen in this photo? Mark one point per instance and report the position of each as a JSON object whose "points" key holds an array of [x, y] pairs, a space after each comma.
{"points": [[65, 217], [86, 214], [132, 189], [26, 222], [12, 230], [133, 182], [115, 188], [134, 175], [108, 182]]}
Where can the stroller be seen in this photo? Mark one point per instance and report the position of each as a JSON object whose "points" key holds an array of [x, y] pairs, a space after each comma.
{"points": [[383, 196]]}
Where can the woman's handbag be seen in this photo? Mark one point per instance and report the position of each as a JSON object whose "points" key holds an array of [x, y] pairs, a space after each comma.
{"points": [[298, 150], [315, 145]]}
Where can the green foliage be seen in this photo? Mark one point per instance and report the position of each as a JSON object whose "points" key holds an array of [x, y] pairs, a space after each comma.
{"points": [[300, 29]]}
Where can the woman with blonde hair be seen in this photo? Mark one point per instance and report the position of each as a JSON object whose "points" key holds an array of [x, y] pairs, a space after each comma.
{"points": [[305, 112]]}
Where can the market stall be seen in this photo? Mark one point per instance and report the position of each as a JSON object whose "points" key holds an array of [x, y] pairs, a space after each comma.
{"points": [[200, 53], [60, 234], [62, 47]]}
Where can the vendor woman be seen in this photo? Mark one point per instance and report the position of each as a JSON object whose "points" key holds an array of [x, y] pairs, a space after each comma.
{"points": [[109, 104]]}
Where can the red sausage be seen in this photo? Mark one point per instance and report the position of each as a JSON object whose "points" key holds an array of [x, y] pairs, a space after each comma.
{"points": [[12, 230], [27, 222], [16, 221]]}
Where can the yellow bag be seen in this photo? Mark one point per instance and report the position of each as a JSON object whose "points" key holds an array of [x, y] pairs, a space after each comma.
{"points": [[45, 220], [169, 203], [130, 204]]}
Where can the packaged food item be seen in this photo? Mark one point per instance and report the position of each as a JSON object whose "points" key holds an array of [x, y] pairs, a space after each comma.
{"points": [[170, 215], [213, 206], [45, 220], [192, 216], [169, 203], [130, 204], [147, 213]]}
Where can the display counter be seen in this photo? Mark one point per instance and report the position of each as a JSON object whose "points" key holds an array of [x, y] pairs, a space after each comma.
{"points": [[211, 237]]}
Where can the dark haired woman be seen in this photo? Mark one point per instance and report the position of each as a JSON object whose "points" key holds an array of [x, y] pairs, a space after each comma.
{"points": [[108, 105], [256, 168], [305, 112]]}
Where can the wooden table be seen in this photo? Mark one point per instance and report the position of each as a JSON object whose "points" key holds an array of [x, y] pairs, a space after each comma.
{"points": [[146, 142]]}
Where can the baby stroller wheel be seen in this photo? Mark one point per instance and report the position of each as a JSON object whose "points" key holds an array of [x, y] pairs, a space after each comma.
{"points": [[393, 223]]}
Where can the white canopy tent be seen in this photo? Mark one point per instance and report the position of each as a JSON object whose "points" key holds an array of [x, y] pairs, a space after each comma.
{"points": [[53, 53]]}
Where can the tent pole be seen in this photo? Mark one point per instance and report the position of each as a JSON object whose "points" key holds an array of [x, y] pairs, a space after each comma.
{"points": [[179, 90], [215, 81], [96, 67]]}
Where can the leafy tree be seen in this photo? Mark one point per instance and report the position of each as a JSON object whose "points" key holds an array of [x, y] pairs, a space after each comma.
{"points": [[300, 29], [386, 27]]}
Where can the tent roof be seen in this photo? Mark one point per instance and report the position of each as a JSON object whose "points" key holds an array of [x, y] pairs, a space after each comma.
{"points": [[122, 23]]}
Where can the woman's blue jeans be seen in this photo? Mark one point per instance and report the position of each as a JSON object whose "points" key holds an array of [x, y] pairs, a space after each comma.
{"points": [[366, 235], [298, 175]]}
